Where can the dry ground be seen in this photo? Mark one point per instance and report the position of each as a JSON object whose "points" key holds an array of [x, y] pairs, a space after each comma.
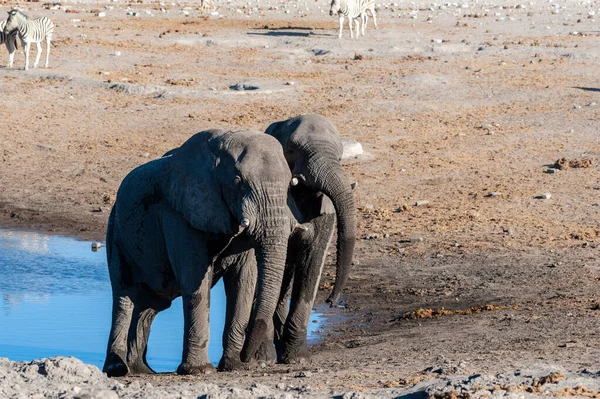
{"points": [[450, 105]]}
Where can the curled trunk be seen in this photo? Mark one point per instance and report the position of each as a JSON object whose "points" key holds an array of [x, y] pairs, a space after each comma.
{"points": [[329, 178]]}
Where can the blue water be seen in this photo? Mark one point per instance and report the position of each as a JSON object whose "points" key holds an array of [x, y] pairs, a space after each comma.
{"points": [[56, 300]]}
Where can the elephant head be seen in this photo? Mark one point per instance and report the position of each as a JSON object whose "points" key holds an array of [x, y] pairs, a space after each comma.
{"points": [[236, 183], [313, 150]]}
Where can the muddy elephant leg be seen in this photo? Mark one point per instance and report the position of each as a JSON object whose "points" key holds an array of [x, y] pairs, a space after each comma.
{"points": [[239, 281], [308, 251], [146, 307], [116, 353], [137, 341], [122, 308]]}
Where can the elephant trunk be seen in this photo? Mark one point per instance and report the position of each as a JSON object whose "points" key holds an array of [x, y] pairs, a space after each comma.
{"points": [[332, 181], [270, 253]]}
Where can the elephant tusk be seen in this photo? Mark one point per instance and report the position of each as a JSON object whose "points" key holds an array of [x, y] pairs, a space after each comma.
{"points": [[244, 223], [294, 181]]}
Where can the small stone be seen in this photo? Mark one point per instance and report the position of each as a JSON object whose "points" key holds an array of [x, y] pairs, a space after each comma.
{"points": [[571, 131], [551, 171], [417, 239], [101, 14], [351, 148], [145, 155], [371, 236], [494, 194], [290, 83], [355, 262], [116, 53], [386, 235], [368, 207], [490, 133], [544, 196], [280, 386], [96, 245], [304, 374], [421, 202]]}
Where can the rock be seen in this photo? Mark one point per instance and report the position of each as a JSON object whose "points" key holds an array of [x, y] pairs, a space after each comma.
{"points": [[494, 194], [96, 245], [101, 14], [352, 148], [304, 374], [371, 236], [317, 51], [417, 239], [544, 196], [290, 83], [386, 235], [551, 171], [421, 202], [368, 207], [243, 86]]}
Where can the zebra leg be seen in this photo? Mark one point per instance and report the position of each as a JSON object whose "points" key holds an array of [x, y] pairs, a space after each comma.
{"points": [[48, 40], [341, 26], [11, 52], [350, 27], [365, 18], [374, 17], [26, 50], [357, 22], [38, 45]]}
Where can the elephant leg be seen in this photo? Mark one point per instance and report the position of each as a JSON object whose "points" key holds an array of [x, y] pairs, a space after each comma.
{"points": [[146, 306], [139, 332], [309, 250], [122, 310], [192, 265], [116, 354], [240, 282]]}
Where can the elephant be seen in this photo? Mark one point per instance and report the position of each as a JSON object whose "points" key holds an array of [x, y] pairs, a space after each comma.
{"points": [[201, 211], [321, 196]]}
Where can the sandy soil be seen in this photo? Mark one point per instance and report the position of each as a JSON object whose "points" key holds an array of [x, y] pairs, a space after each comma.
{"points": [[451, 101]]}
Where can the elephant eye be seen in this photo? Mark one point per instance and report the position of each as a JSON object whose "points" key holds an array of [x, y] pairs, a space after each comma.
{"points": [[237, 180]]}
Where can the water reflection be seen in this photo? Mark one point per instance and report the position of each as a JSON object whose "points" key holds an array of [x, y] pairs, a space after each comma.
{"points": [[56, 300]]}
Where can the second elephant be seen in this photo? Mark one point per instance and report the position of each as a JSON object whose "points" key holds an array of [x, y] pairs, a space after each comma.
{"points": [[321, 196]]}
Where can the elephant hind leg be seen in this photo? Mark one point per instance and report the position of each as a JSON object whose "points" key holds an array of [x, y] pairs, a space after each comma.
{"points": [[116, 354], [146, 307]]}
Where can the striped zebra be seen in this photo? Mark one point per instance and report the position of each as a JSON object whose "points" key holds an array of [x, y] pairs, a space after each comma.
{"points": [[354, 10], [31, 31], [10, 40]]}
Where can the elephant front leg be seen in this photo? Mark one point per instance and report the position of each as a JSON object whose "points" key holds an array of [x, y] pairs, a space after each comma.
{"points": [[139, 332], [196, 309], [307, 250], [239, 281]]}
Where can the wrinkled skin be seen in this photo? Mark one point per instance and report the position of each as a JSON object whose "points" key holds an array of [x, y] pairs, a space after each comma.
{"points": [[322, 196], [214, 206]]}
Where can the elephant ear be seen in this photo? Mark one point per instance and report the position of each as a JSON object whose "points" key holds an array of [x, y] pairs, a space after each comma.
{"points": [[283, 130], [190, 185]]}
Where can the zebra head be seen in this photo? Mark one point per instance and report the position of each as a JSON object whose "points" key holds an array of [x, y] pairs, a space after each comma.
{"points": [[14, 20], [335, 7]]}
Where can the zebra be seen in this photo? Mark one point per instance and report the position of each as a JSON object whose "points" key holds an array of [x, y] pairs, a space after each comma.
{"points": [[31, 31], [353, 10], [10, 40]]}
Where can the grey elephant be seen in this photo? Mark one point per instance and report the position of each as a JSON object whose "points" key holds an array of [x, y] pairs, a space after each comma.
{"points": [[180, 219], [321, 196]]}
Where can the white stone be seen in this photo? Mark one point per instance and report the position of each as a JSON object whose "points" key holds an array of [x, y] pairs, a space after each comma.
{"points": [[352, 148]]}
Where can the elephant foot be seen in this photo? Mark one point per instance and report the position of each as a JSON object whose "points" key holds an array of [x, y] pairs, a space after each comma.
{"points": [[114, 366], [295, 355], [266, 353], [189, 369], [140, 368], [230, 363]]}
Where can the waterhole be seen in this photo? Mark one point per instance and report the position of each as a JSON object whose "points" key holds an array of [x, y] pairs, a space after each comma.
{"points": [[56, 301]]}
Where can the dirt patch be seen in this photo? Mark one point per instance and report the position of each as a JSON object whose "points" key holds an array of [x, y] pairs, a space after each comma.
{"points": [[564, 163]]}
